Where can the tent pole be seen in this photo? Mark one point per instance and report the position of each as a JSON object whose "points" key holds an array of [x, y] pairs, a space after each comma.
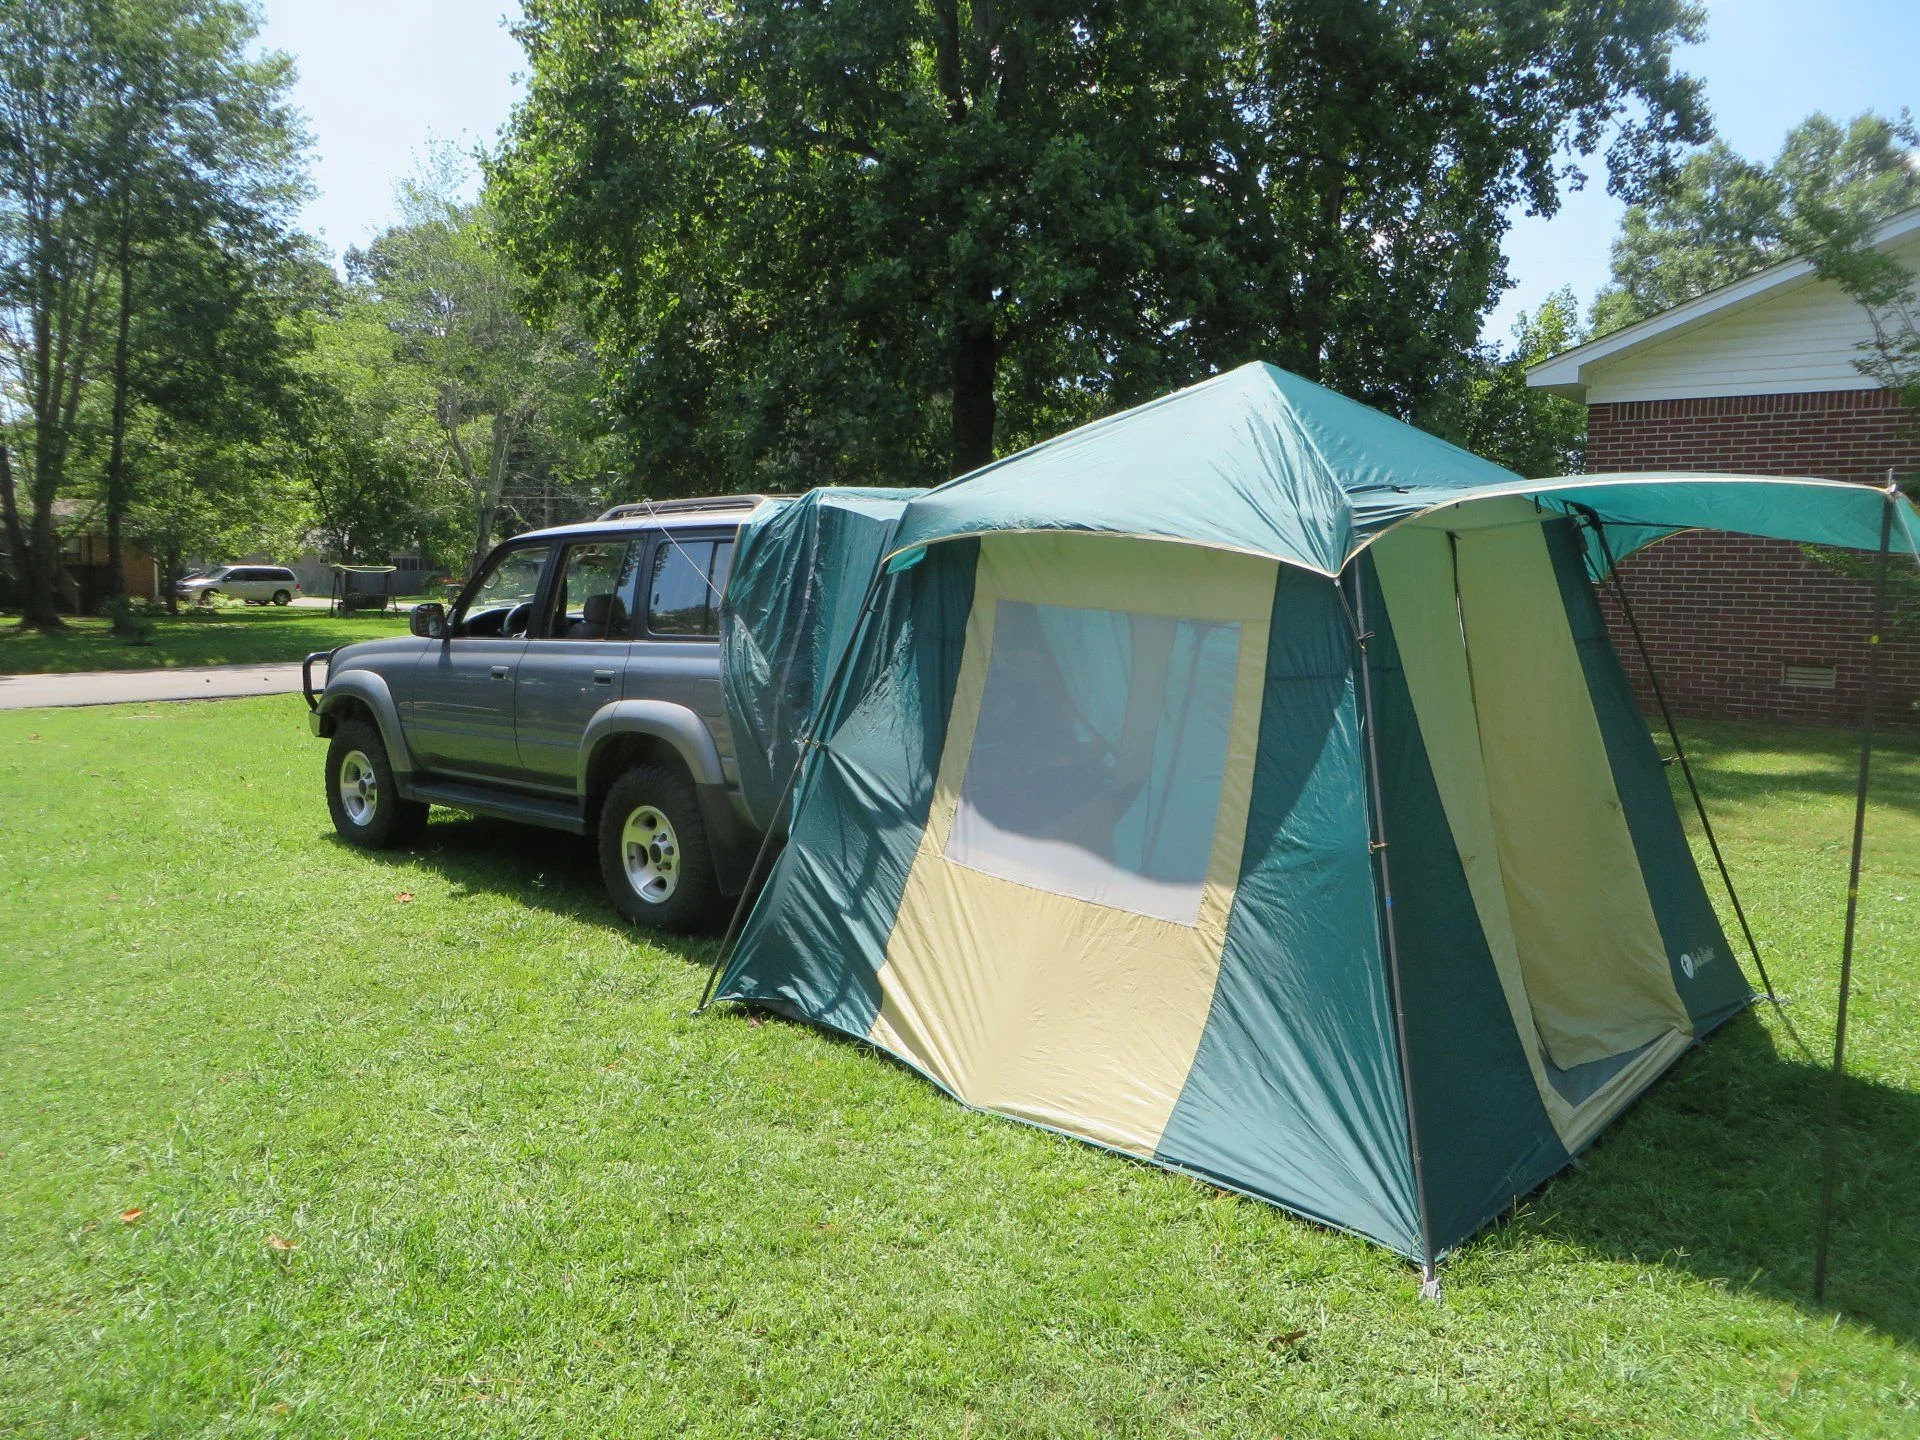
{"points": [[741, 906], [1680, 753], [1357, 619], [1830, 1144]]}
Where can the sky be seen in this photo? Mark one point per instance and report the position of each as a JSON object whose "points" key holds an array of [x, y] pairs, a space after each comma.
{"points": [[1767, 64], [380, 79]]}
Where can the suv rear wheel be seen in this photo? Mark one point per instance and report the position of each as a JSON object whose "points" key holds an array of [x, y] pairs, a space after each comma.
{"points": [[653, 850], [361, 794], [282, 597]]}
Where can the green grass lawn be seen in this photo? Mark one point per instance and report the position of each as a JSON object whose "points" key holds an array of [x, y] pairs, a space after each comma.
{"points": [[525, 1194], [222, 635]]}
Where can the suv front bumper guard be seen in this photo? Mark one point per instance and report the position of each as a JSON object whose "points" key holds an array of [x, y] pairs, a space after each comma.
{"points": [[306, 677]]}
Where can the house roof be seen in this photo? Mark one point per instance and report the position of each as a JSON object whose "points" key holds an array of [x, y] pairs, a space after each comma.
{"points": [[1571, 371]]}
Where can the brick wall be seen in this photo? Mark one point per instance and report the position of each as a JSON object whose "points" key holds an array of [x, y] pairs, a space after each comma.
{"points": [[1725, 615]]}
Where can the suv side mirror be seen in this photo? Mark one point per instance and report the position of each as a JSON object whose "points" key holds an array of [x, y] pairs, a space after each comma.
{"points": [[429, 620]]}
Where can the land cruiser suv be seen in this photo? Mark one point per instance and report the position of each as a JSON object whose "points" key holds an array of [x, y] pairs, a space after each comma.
{"points": [[574, 684]]}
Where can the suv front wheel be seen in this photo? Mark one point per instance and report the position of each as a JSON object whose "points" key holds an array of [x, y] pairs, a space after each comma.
{"points": [[361, 794], [653, 850]]}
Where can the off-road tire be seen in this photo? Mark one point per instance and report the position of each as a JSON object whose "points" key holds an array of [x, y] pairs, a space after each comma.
{"points": [[694, 897], [390, 823]]}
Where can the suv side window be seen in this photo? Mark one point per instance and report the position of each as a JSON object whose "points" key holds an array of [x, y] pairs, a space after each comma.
{"points": [[590, 595], [683, 594], [502, 603]]}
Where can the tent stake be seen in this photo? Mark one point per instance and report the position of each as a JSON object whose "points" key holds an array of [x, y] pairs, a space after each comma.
{"points": [[1830, 1145], [1357, 619], [1680, 754], [829, 696]]}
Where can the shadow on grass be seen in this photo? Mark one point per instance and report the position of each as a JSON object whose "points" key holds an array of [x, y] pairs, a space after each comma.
{"points": [[1717, 1172], [547, 869], [1822, 762]]}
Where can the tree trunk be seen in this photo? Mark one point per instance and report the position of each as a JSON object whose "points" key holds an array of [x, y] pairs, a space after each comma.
{"points": [[1317, 297], [976, 355], [40, 557], [36, 552], [16, 532], [39, 600], [117, 455], [170, 578]]}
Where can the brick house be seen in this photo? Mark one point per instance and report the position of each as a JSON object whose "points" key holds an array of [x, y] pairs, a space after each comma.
{"points": [[86, 567], [1755, 377]]}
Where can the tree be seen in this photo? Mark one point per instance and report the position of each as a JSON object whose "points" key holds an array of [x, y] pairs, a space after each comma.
{"points": [[133, 133], [204, 492], [457, 307], [369, 449], [882, 240], [51, 280], [205, 166], [1726, 217], [1495, 413]]}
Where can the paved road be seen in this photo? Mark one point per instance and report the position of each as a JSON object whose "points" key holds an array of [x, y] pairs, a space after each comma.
{"points": [[121, 687]]}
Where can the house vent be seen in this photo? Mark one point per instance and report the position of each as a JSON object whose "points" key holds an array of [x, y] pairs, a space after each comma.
{"points": [[1807, 677]]}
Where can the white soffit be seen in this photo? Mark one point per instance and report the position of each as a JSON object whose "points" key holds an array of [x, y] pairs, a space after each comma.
{"points": [[1574, 373]]}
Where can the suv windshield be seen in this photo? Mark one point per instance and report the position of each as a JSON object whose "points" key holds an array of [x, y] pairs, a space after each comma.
{"points": [[502, 604]]}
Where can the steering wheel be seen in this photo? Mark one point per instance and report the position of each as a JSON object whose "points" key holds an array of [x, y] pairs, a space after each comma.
{"points": [[518, 619]]}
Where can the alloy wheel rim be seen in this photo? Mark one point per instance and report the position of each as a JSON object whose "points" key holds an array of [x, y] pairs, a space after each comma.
{"points": [[651, 853], [359, 787]]}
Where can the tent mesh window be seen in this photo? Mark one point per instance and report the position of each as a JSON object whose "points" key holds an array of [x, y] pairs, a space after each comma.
{"points": [[1098, 759]]}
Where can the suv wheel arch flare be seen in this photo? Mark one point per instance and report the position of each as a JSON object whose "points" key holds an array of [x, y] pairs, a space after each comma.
{"points": [[364, 690], [675, 726]]}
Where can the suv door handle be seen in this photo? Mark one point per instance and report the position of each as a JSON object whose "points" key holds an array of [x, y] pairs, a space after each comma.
{"points": [[500, 672], [603, 677]]}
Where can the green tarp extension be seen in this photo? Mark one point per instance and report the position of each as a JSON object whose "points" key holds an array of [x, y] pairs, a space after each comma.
{"points": [[1245, 783], [800, 572]]}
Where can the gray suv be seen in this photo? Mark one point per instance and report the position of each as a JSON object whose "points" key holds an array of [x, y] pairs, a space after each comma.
{"points": [[575, 684]]}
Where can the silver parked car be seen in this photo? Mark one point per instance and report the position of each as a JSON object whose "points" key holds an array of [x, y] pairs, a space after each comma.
{"points": [[575, 684], [255, 584]]}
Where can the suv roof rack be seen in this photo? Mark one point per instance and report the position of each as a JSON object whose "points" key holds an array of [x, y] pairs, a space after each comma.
{"points": [[689, 507]]}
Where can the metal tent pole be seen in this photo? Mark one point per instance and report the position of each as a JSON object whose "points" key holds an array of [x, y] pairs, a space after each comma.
{"points": [[1830, 1145], [1357, 619], [1680, 753]]}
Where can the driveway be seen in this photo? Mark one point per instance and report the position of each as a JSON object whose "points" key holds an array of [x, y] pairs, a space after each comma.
{"points": [[127, 687]]}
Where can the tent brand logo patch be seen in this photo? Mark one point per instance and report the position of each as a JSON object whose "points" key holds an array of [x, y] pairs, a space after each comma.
{"points": [[1691, 963]]}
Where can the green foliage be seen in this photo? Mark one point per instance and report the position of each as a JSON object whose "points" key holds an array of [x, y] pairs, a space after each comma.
{"points": [[1726, 217], [504, 394], [882, 241], [1495, 413], [527, 1194], [149, 169], [371, 454]]}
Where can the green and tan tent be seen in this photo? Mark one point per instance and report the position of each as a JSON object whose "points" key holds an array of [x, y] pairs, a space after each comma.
{"points": [[1247, 783]]}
